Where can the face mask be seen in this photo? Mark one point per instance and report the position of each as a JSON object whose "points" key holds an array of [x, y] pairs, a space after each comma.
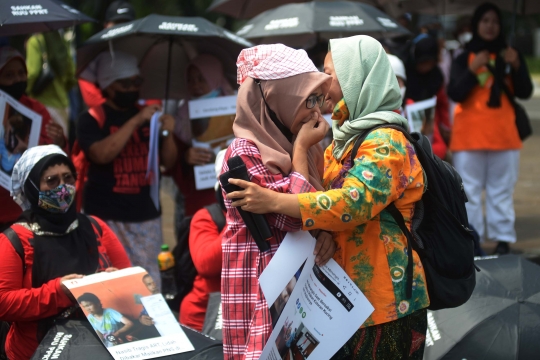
{"points": [[403, 90], [15, 90], [465, 38], [125, 100], [58, 200]]}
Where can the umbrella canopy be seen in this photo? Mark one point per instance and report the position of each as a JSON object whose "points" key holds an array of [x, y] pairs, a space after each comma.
{"points": [[501, 320], [18, 17], [301, 25], [164, 46], [246, 9], [441, 7]]}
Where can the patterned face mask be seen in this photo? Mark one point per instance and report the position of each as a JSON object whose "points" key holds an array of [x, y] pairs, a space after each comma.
{"points": [[57, 200]]}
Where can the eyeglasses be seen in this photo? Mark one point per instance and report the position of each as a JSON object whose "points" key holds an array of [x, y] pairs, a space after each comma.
{"points": [[54, 180], [128, 83], [313, 100]]}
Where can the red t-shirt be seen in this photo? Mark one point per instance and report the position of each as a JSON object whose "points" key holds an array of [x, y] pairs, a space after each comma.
{"points": [[24, 305], [205, 249], [10, 211]]}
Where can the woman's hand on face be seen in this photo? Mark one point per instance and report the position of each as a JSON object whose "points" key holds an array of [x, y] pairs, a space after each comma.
{"points": [[253, 198], [481, 59], [314, 129], [199, 156], [56, 134], [325, 247], [511, 57]]}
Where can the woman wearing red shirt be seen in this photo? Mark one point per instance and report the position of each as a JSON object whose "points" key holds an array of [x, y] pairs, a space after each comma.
{"points": [[58, 244], [13, 76]]}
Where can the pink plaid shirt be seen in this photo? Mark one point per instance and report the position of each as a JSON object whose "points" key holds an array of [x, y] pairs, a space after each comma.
{"points": [[247, 323]]}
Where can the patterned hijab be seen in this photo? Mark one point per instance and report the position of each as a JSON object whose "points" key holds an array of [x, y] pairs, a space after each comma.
{"points": [[370, 89]]}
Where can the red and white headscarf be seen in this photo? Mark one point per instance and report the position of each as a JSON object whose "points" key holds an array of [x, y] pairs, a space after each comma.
{"points": [[272, 62]]}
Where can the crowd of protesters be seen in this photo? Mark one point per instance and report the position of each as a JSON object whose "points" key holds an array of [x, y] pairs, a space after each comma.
{"points": [[117, 222]]}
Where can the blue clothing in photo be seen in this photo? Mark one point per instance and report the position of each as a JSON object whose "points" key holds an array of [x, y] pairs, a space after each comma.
{"points": [[110, 322]]}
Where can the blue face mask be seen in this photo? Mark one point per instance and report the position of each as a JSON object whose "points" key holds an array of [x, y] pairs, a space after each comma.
{"points": [[212, 94], [57, 200]]}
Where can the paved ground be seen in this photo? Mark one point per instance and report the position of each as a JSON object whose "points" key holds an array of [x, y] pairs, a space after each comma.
{"points": [[527, 195]]}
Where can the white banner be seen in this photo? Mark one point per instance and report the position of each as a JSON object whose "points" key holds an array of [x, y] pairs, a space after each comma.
{"points": [[218, 106]]}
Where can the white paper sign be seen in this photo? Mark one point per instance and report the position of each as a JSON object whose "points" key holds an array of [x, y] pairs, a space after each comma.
{"points": [[416, 113], [203, 108], [114, 301], [321, 307], [19, 130], [205, 176]]}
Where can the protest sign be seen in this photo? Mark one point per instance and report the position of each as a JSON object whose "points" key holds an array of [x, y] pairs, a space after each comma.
{"points": [[19, 130], [421, 115], [315, 309], [211, 127], [130, 320]]}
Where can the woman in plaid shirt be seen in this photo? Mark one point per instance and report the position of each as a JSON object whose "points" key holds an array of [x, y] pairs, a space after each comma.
{"points": [[279, 100]]}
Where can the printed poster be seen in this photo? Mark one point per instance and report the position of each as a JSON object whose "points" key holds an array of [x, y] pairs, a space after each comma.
{"points": [[129, 315], [315, 310], [421, 116], [211, 126], [19, 130]]}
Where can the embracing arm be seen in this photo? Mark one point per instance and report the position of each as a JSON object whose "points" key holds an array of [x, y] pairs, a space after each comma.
{"points": [[374, 182]]}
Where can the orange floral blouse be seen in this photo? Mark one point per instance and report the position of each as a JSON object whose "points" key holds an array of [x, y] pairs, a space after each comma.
{"points": [[370, 246]]}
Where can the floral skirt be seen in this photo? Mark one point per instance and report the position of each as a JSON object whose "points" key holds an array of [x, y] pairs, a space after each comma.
{"points": [[395, 340]]}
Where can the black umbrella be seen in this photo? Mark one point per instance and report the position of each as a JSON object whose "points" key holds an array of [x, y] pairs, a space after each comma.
{"points": [[246, 9], [164, 46], [302, 25], [501, 320], [83, 344], [18, 17]]}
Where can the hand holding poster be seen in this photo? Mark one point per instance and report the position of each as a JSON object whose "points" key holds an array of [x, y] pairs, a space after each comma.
{"points": [[421, 115], [211, 124], [19, 130], [317, 308], [129, 317]]}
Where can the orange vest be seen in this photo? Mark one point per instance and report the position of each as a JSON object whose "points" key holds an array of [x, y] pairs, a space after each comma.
{"points": [[479, 127]]}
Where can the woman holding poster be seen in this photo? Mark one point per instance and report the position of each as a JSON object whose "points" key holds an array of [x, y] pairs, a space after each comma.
{"points": [[205, 80], [280, 96], [13, 76], [370, 247], [57, 244]]}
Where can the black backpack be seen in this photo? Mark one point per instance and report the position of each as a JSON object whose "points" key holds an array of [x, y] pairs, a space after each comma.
{"points": [[185, 271], [440, 228]]}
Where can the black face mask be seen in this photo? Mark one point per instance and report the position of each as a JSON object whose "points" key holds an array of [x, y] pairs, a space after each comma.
{"points": [[125, 100], [15, 90]]}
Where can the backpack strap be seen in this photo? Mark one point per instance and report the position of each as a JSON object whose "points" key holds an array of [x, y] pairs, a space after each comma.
{"points": [[217, 215], [98, 113], [360, 139], [15, 241], [96, 225]]}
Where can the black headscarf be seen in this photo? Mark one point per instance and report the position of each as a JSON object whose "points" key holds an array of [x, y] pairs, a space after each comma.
{"points": [[477, 44], [424, 86], [57, 251]]}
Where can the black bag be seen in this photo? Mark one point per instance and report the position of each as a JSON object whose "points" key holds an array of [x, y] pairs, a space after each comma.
{"points": [[46, 75], [440, 228], [213, 321], [185, 270], [84, 344], [523, 124]]}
